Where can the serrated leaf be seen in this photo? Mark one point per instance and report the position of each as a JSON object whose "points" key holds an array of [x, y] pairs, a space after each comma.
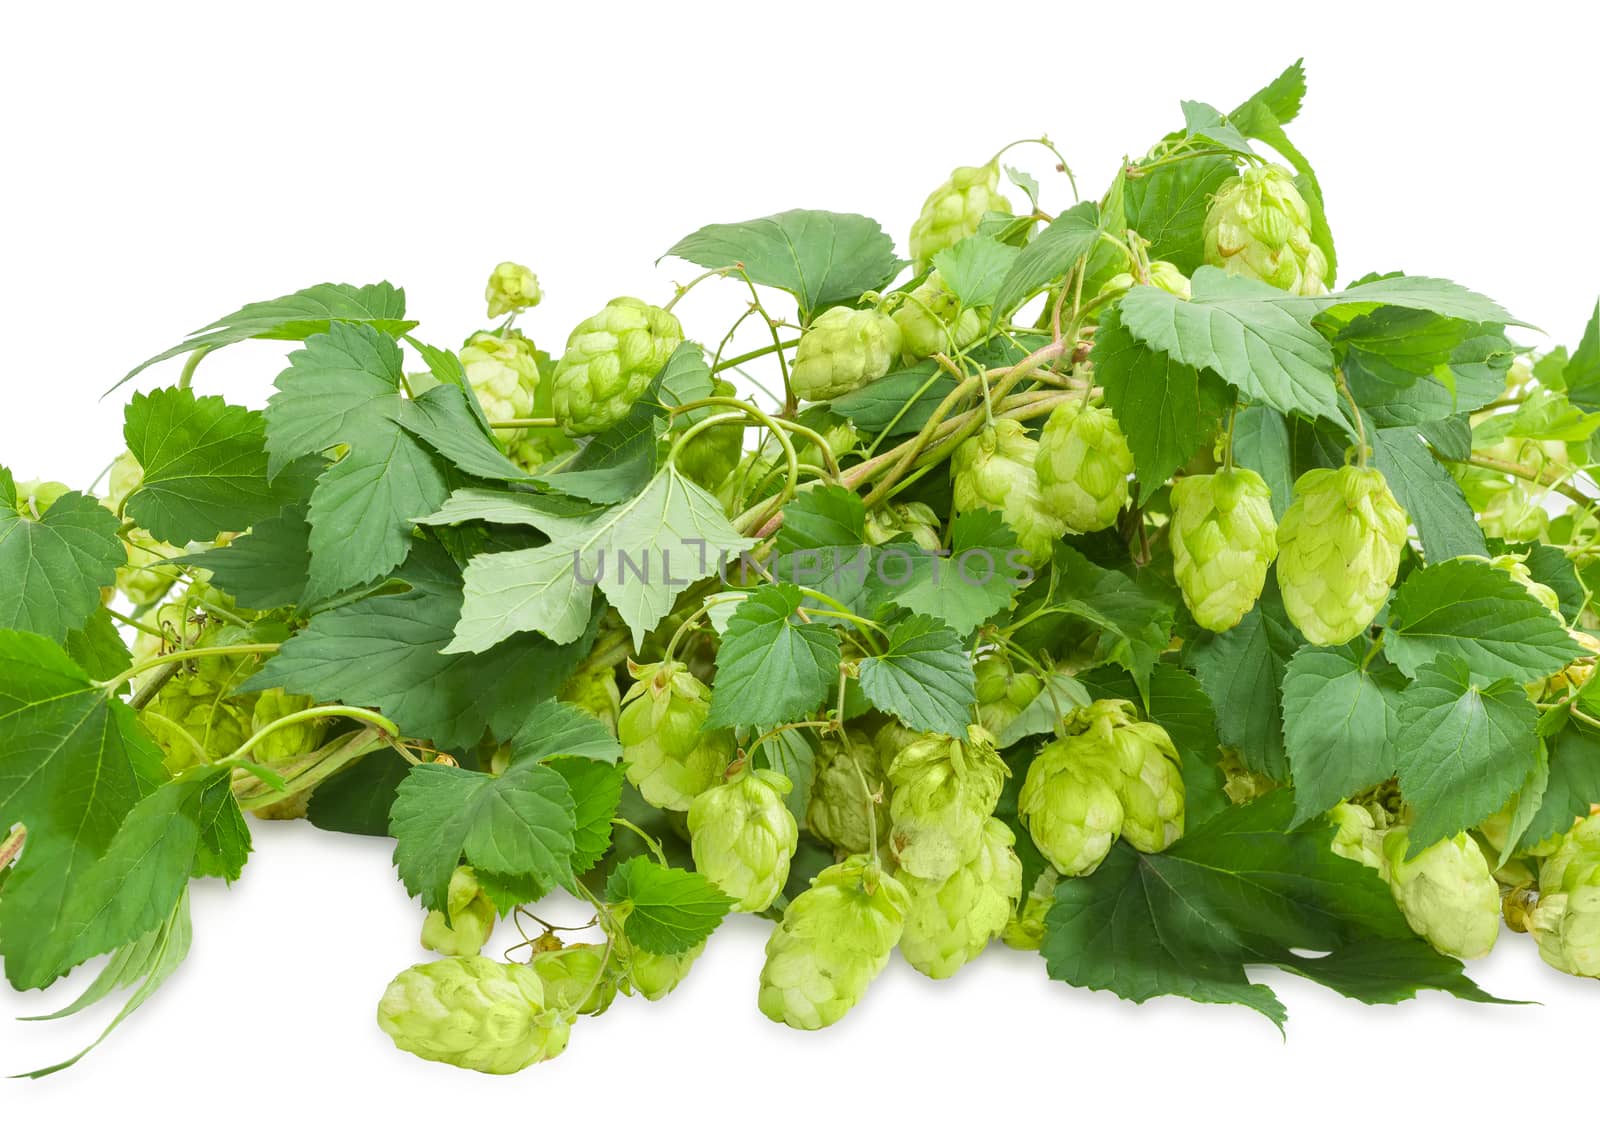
{"points": [[772, 666], [1261, 443], [1060, 694], [900, 403], [1339, 714], [820, 257], [1428, 294], [562, 730], [1167, 410], [975, 268], [341, 388], [924, 677], [445, 419], [54, 566], [669, 910], [596, 787], [1572, 784], [977, 578], [1168, 205], [1242, 671], [1054, 251], [1244, 889], [1582, 373], [297, 316], [520, 823], [267, 567], [830, 516], [1463, 748], [1244, 331], [357, 799], [98, 648], [1482, 615], [539, 510], [1429, 494]]}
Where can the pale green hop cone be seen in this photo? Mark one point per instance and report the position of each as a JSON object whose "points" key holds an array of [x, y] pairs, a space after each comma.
{"points": [[655, 975], [842, 810], [743, 837], [1356, 835], [945, 790], [950, 923], [1151, 783], [932, 320], [1339, 549], [1447, 893], [1259, 226], [835, 937], [1224, 539], [466, 922], [578, 978], [670, 757], [994, 470], [1069, 804], [843, 350], [503, 372], [1083, 466], [1163, 275], [888, 522], [954, 209], [609, 361], [1025, 930], [596, 692], [1003, 692], [473, 1012], [1566, 921], [511, 288]]}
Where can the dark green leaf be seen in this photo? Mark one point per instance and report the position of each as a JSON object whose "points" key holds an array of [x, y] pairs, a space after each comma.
{"points": [[1429, 494], [772, 666], [54, 566], [924, 678], [1339, 715], [668, 910], [1242, 671], [1056, 249]]}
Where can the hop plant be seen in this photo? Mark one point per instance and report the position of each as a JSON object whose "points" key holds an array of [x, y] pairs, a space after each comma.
{"points": [[1151, 787], [1223, 540], [834, 939], [503, 372], [1357, 835], [1083, 465], [577, 978], [292, 740], [888, 522], [511, 288], [994, 470], [932, 320], [1511, 513], [475, 1013], [1447, 892], [1163, 275], [743, 837], [1541, 593], [194, 721], [465, 924], [145, 581], [709, 456], [1339, 551], [671, 757], [945, 789], [842, 807], [1259, 226], [655, 975], [1069, 805], [34, 497], [950, 923], [1566, 920], [1003, 692], [842, 350], [596, 692], [954, 209], [125, 478], [1025, 929], [609, 361]]}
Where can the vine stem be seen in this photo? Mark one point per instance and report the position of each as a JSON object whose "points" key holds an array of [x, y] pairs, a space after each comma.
{"points": [[186, 376], [683, 290], [1533, 476], [1361, 426], [343, 752], [12, 845], [332, 710], [649, 841], [725, 364], [110, 686]]}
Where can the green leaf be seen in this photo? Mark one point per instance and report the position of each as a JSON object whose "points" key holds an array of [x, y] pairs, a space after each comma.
{"points": [[1060, 695], [520, 823], [1242, 671], [266, 568], [1281, 97], [1582, 373], [546, 512], [829, 516], [384, 652], [357, 799], [73, 764], [55, 566], [1339, 712], [900, 403], [1261, 443], [668, 910], [561, 730], [446, 418], [1429, 494], [596, 787], [342, 387], [299, 315], [1428, 294], [1247, 332], [1464, 749], [1168, 206], [1468, 609], [98, 648], [975, 268], [205, 466], [641, 554], [924, 678], [1167, 410], [820, 257], [1056, 249], [1205, 122], [1246, 888], [1572, 786], [792, 753], [976, 579], [772, 667]]}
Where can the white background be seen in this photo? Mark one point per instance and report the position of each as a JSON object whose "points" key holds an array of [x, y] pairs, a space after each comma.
{"points": [[162, 165]]}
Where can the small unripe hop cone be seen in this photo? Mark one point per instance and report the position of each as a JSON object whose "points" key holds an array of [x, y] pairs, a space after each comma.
{"points": [[1259, 226], [609, 361], [1223, 541], [842, 351], [954, 209]]}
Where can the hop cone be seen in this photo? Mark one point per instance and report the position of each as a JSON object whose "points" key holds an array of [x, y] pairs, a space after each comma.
{"points": [[1163, 275], [1357, 836], [1151, 784], [945, 789], [954, 210], [931, 320], [609, 361], [654, 975], [539, 446], [466, 922], [888, 522], [841, 807], [1025, 930], [835, 937], [670, 758], [1339, 551], [286, 742], [743, 836], [1003, 692], [123, 480], [511, 288], [504, 373], [994, 469], [889, 739], [1543, 594], [1223, 540], [34, 497], [1069, 804], [842, 350], [1447, 893], [950, 923], [1566, 921], [473, 1012], [595, 691], [570, 974], [1259, 226], [145, 581], [1083, 466], [193, 720], [1240, 782], [709, 456], [1513, 515]]}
